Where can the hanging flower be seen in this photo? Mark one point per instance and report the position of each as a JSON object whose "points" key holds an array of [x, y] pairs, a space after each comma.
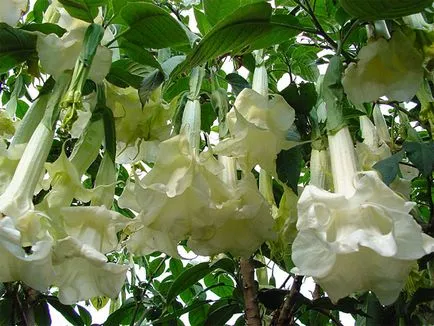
{"points": [[66, 184], [83, 272], [139, 129], [181, 188], [360, 238], [32, 264], [95, 226], [259, 128], [239, 226], [58, 54], [12, 10], [385, 68]]}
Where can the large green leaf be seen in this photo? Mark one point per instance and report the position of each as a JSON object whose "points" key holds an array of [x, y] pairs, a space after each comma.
{"points": [[152, 27], [85, 10], [16, 46], [217, 10], [249, 27], [126, 72], [421, 155], [186, 279], [288, 167], [46, 28], [383, 9], [221, 311], [67, 311], [389, 167], [139, 54]]}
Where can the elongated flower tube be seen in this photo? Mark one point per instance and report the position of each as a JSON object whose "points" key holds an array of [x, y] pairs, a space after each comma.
{"points": [[17, 198], [21, 226], [12, 10], [385, 68], [359, 238], [258, 127], [10, 157]]}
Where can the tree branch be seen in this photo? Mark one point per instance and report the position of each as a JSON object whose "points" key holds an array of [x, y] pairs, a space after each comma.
{"points": [[286, 313], [252, 316]]}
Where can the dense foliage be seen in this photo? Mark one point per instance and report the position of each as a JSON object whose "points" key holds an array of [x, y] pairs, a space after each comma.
{"points": [[198, 161]]}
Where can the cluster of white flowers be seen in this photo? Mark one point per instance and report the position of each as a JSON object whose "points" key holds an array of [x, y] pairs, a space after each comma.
{"points": [[359, 237]]}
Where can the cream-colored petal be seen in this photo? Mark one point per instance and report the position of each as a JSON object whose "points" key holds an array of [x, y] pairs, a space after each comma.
{"points": [[32, 267], [12, 10], [385, 68], [83, 273], [95, 226]]}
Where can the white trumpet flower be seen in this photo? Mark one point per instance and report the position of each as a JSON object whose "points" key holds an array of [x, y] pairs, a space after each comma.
{"points": [[360, 238], [385, 68]]}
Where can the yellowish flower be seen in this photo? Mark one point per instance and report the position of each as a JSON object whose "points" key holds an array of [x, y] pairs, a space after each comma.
{"points": [[259, 128], [83, 272], [385, 68], [139, 129]]}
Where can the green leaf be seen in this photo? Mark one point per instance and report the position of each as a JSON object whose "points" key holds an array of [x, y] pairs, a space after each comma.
{"points": [[123, 315], [272, 298], [170, 64], [383, 9], [39, 9], [42, 313], [16, 46], [220, 284], [237, 82], [85, 315], [288, 167], [46, 28], [221, 311], [152, 27], [67, 311], [203, 24], [150, 83], [155, 268], [186, 279], [421, 155], [7, 311], [389, 167], [198, 316], [303, 62], [226, 264], [301, 97], [178, 313], [247, 28], [125, 72], [217, 10], [139, 54], [85, 10], [176, 267]]}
